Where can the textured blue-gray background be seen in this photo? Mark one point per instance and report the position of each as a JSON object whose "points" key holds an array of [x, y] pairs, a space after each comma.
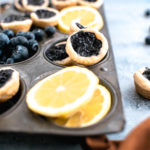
{"points": [[128, 28]]}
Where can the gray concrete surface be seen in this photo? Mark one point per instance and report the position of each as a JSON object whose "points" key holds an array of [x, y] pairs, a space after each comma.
{"points": [[128, 27]]}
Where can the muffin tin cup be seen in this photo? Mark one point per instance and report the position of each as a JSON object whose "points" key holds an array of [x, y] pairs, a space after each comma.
{"points": [[57, 41], [19, 119]]}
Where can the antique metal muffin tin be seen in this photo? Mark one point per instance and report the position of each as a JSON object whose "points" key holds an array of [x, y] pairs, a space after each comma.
{"points": [[19, 119]]}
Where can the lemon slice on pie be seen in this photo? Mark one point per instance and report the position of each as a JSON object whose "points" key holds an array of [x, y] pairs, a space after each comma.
{"points": [[90, 113], [63, 92], [88, 17]]}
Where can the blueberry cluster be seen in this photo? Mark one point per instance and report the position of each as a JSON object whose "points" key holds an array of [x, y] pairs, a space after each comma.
{"points": [[146, 73], [86, 44], [21, 46], [57, 52]]}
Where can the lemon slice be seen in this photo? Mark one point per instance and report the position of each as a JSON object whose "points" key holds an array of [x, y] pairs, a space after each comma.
{"points": [[63, 92], [90, 113], [87, 16]]}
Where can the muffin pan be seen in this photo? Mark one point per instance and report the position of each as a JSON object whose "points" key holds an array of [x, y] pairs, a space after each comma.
{"points": [[19, 119]]}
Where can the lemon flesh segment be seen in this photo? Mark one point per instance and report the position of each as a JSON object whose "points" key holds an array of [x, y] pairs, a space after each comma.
{"points": [[92, 112], [62, 93], [87, 16]]}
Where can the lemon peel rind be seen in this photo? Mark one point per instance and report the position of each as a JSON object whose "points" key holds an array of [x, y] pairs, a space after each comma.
{"points": [[57, 112], [105, 109]]}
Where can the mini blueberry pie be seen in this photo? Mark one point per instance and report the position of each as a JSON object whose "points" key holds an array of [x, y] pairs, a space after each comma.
{"points": [[16, 23], [19, 5], [142, 82], [87, 46], [45, 17], [57, 54], [92, 3], [31, 5], [75, 27], [60, 4], [9, 83]]}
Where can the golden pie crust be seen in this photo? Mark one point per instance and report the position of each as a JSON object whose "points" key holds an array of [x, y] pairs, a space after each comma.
{"points": [[92, 59], [97, 4], [67, 61], [32, 8], [142, 84], [60, 4], [44, 22], [17, 26], [19, 7], [10, 88]]}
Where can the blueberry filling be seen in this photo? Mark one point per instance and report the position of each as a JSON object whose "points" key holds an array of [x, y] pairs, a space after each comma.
{"points": [[20, 2], [91, 0], [11, 18], [146, 73], [80, 26], [35, 2], [5, 75], [42, 13], [86, 44], [56, 53]]}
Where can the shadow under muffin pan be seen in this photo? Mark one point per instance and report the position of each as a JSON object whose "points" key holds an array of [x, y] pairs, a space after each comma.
{"points": [[50, 45], [19, 119]]}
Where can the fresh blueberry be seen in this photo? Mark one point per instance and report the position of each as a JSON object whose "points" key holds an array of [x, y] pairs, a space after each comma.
{"points": [[147, 40], [4, 40], [23, 51], [33, 45], [19, 40], [10, 61], [9, 33], [27, 35], [21, 33], [30, 35], [50, 30], [39, 34], [16, 56], [147, 13]]}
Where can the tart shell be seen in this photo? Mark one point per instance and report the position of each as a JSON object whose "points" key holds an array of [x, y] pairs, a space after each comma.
{"points": [[31, 8], [18, 6], [11, 87], [44, 22], [66, 61], [17, 26], [96, 4], [92, 59], [142, 84], [62, 4]]}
